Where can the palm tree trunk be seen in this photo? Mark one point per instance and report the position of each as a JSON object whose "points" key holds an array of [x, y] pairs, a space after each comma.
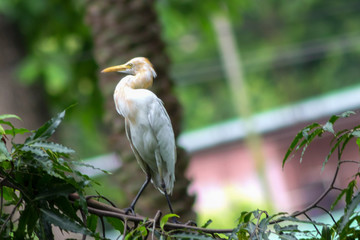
{"points": [[122, 30], [25, 101]]}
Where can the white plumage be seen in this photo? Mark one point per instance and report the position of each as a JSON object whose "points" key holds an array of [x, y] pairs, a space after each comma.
{"points": [[148, 126]]}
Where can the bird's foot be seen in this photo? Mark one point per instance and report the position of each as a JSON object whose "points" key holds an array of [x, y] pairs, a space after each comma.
{"points": [[191, 223], [188, 223], [174, 220], [130, 210]]}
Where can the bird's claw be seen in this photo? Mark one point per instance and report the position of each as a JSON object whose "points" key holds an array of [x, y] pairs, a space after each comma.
{"points": [[130, 210], [191, 223], [174, 220], [188, 223]]}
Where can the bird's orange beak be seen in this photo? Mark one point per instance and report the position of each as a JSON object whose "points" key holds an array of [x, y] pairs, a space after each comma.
{"points": [[118, 68]]}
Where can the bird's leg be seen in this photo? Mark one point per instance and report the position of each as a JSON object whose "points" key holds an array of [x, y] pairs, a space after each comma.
{"points": [[173, 219], [132, 206], [168, 201]]}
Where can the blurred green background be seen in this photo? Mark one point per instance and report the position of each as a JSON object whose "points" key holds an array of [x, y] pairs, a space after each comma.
{"points": [[290, 51]]}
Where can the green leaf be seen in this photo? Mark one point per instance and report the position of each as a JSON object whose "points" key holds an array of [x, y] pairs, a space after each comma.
{"points": [[287, 228], [82, 164], [345, 142], [16, 131], [350, 191], [4, 154], [306, 142], [63, 221], [10, 125], [54, 147], [245, 217], [47, 130], [358, 142], [346, 114], [356, 133], [303, 134], [5, 116], [2, 131], [333, 119], [349, 210], [294, 219], [165, 219], [34, 150], [63, 204], [142, 229], [326, 233], [287, 237], [91, 222], [292, 147], [27, 220], [56, 190], [24, 218], [116, 223], [45, 231], [251, 228], [336, 145], [207, 223], [338, 199], [328, 127], [263, 224], [9, 194]]}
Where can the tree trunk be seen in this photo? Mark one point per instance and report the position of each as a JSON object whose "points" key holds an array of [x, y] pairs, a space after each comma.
{"points": [[25, 101], [123, 30]]}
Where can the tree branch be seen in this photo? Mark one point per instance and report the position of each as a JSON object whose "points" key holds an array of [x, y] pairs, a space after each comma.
{"points": [[104, 210], [319, 199], [11, 215]]}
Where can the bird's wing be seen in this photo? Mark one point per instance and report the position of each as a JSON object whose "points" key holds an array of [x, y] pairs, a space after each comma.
{"points": [[166, 150], [137, 155]]}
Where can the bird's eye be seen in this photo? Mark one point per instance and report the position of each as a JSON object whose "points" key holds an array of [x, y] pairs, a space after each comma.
{"points": [[130, 65]]}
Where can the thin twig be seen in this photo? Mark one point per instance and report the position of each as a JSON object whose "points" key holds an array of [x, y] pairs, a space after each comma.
{"points": [[322, 196], [156, 220], [11, 215], [329, 213], [2, 199], [103, 226], [338, 189], [125, 227], [307, 216], [331, 186], [83, 215], [6, 179], [349, 161], [102, 197], [317, 201]]}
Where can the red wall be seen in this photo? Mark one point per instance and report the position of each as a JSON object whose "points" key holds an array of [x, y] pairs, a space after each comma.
{"points": [[290, 189]]}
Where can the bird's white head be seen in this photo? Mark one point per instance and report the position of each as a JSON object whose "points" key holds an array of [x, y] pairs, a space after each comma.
{"points": [[140, 67]]}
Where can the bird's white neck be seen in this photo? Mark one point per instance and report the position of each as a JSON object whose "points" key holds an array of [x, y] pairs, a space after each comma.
{"points": [[125, 88], [143, 79]]}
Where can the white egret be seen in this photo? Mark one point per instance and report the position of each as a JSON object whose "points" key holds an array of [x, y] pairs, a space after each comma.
{"points": [[147, 124]]}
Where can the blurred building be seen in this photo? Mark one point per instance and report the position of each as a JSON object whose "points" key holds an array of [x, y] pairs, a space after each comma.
{"points": [[220, 159]]}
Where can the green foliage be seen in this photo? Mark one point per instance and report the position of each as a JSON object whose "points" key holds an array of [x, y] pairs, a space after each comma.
{"points": [[290, 52], [260, 225], [36, 179], [117, 224], [58, 54], [37, 176], [166, 218], [305, 137]]}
